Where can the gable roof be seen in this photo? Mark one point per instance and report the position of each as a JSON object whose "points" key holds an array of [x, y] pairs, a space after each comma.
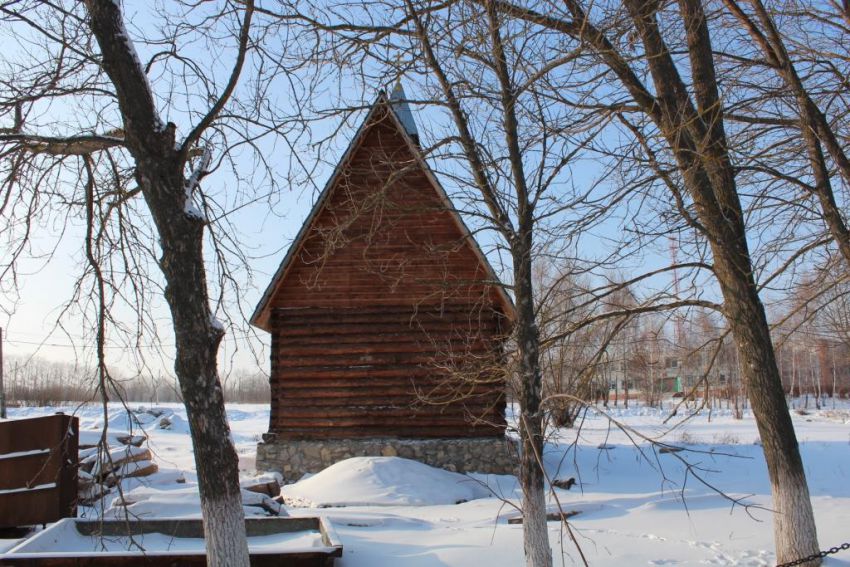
{"points": [[402, 118]]}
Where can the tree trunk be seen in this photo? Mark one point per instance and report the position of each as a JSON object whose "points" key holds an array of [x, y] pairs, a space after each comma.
{"points": [[696, 135], [626, 393], [793, 521], [160, 175], [793, 374], [794, 526], [832, 352], [814, 126], [197, 339], [538, 553]]}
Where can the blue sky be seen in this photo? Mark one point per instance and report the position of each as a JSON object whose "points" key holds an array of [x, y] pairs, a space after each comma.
{"points": [[265, 227]]}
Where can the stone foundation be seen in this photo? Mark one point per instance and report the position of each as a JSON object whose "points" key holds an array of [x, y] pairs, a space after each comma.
{"points": [[294, 457]]}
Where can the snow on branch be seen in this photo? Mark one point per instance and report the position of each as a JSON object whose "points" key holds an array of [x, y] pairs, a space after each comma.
{"points": [[200, 170], [58, 146], [121, 63], [121, 34]]}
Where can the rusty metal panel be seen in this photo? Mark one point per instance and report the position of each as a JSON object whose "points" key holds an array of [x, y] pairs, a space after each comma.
{"points": [[38, 470]]}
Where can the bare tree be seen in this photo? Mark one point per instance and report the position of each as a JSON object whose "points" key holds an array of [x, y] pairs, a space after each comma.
{"points": [[688, 121], [502, 149], [816, 129], [84, 133], [813, 334], [567, 357]]}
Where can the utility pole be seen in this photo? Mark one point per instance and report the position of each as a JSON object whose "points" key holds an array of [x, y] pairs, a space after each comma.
{"points": [[2, 385]]}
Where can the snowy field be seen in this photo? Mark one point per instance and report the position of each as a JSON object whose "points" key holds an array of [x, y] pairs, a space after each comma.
{"points": [[636, 506]]}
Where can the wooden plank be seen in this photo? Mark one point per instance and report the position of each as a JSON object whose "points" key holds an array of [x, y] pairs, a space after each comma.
{"points": [[365, 414], [350, 388], [366, 403], [400, 312], [30, 434], [343, 296], [454, 312], [390, 270], [551, 516], [31, 507], [360, 371], [362, 342], [396, 346], [406, 432], [400, 390], [374, 359], [186, 528], [435, 330], [355, 249], [387, 325], [370, 330], [373, 420]]}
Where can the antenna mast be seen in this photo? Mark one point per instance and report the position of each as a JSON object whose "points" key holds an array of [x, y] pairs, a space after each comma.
{"points": [[674, 257]]}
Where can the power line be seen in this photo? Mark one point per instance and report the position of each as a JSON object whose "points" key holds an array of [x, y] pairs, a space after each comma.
{"points": [[227, 338]]}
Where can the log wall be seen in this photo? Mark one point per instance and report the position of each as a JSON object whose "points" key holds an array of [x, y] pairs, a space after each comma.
{"points": [[378, 372], [384, 237], [383, 305]]}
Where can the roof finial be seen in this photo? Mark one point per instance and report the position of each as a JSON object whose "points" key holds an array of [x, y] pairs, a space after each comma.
{"points": [[397, 88]]}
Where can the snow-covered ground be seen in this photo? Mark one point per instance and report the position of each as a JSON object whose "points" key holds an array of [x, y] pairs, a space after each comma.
{"points": [[636, 506]]}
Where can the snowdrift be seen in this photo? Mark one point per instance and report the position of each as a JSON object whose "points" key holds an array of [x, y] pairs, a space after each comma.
{"points": [[383, 481]]}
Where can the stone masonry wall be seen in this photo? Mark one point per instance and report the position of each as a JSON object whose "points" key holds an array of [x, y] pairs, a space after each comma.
{"points": [[293, 457]]}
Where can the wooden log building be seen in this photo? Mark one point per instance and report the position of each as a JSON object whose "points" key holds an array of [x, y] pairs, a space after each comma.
{"points": [[387, 321]]}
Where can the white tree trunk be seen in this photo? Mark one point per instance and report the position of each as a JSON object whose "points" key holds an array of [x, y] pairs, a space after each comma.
{"points": [[535, 533], [221, 520], [793, 522], [160, 173]]}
